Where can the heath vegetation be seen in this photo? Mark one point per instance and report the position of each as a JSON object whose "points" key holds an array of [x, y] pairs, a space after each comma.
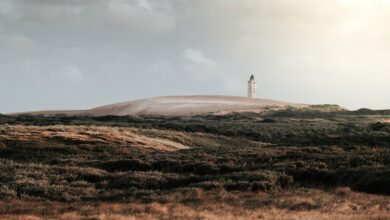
{"points": [[319, 162]]}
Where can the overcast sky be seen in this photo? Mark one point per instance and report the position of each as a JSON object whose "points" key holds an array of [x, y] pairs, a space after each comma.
{"points": [[75, 54]]}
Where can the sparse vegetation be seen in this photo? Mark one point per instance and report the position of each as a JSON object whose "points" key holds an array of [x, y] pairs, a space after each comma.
{"points": [[164, 164]]}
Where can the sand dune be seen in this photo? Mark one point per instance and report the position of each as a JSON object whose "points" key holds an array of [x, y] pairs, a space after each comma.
{"points": [[180, 106]]}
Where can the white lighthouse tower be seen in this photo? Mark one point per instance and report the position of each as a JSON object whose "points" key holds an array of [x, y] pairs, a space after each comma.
{"points": [[252, 87]]}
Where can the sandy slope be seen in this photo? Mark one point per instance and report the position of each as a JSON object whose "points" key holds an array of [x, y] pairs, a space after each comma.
{"points": [[181, 105]]}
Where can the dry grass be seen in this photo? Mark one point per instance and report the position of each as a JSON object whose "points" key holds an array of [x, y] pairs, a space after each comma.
{"points": [[302, 204], [92, 135], [154, 139], [386, 120]]}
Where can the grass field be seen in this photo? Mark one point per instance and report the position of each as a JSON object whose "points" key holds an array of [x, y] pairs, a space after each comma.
{"points": [[315, 163]]}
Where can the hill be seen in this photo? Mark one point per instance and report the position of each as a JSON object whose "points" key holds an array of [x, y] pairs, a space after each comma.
{"points": [[180, 106]]}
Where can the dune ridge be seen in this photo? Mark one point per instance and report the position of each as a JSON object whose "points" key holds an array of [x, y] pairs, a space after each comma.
{"points": [[180, 106]]}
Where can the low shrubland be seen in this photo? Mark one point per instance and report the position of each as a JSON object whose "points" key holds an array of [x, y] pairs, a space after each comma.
{"points": [[191, 159]]}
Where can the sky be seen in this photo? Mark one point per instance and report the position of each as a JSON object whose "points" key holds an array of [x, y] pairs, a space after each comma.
{"points": [[78, 54]]}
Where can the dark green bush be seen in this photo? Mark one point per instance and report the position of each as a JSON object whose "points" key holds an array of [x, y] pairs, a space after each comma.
{"points": [[126, 165]]}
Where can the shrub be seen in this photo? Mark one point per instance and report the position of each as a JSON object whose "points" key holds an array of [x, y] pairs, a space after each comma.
{"points": [[126, 165], [207, 185], [343, 191], [6, 192], [2, 146]]}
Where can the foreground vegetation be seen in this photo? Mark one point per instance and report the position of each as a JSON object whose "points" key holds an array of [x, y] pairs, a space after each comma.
{"points": [[308, 162], [197, 204]]}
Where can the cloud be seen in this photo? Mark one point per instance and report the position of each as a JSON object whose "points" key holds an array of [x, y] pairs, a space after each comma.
{"points": [[196, 56], [6, 7], [69, 74], [139, 16], [145, 4], [161, 66], [18, 42], [312, 51], [98, 15]]}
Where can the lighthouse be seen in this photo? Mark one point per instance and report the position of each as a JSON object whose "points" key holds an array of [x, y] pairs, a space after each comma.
{"points": [[252, 87]]}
